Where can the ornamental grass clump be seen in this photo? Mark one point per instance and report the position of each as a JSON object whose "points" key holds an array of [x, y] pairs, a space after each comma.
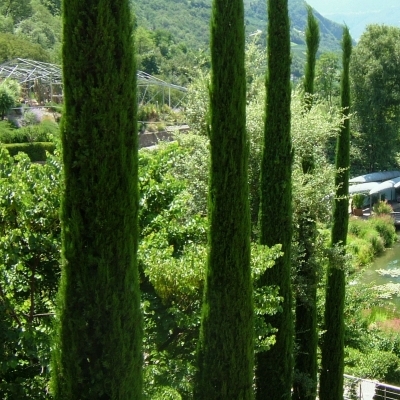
{"points": [[358, 200], [382, 208]]}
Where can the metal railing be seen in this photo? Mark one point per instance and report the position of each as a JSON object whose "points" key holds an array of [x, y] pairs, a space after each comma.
{"points": [[364, 389]]}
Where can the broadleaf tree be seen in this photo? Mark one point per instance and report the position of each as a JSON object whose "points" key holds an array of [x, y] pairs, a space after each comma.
{"points": [[97, 351], [225, 352], [274, 368], [375, 81]]}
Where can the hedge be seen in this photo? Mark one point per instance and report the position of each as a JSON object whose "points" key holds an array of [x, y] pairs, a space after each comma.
{"points": [[36, 151]]}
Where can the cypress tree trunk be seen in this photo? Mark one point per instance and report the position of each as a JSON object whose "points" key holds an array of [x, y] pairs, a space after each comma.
{"points": [[98, 348], [306, 335], [225, 354], [332, 362], [274, 368]]}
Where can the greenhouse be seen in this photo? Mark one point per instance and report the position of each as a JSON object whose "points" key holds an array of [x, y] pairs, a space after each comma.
{"points": [[43, 81]]}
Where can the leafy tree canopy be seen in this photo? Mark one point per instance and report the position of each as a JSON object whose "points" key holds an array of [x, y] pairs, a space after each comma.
{"points": [[12, 46], [375, 77]]}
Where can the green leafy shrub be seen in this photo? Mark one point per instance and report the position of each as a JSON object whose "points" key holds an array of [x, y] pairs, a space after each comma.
{"points": [[29, 118], [7, 100], [148, 112], [359, 227], [45, 131], [12, 46], [376, 364], [49, 128], [377, 242], [29, 271], [8, 132], [172, 256], [161, 127], [35, 151], [384, 225], [368, 238], [361, 249], [382, 207]]}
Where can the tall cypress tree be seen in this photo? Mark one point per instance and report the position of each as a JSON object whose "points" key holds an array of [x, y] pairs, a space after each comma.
{"points": [[312, 40], [332, 350], [306, 335], [274, 368], [225, 354], [98, 347]]}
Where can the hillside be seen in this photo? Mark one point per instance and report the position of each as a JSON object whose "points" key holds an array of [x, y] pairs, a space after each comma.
{"points": [[359, 13], [188, 21]]}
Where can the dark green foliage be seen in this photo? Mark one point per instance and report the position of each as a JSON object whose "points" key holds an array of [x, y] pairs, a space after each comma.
{"points": [[306, 335], [172, 251], [225, 353], [375, 364], [17, 10], [376, 86], [159, 53], [274, 368], [46, 131], [36, 151], [187, 22], [327, 80], [54, 6], [7, 132], [7, 100], [341, 215], [384, 225], [12, 47], [29, 273], [332, 363], [98, 348], [312, 41]]}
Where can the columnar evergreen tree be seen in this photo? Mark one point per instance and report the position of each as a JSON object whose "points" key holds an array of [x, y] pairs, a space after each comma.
{"points": [[312, 40], [332, 362], [274, 368], [98, 347], [225, 354], [306, 335]]}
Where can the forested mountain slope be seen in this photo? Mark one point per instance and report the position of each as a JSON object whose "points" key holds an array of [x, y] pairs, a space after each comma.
{"points": [[188, 20], [357, 14], [168, 38]]}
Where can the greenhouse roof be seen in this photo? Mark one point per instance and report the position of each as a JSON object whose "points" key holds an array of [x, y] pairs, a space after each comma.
{"points": [[363, 187], [23, 70], [376, 177], [385, 185], [144, 79]]}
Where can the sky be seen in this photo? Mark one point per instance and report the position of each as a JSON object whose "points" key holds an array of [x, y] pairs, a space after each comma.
{"points": [[357, 14]]}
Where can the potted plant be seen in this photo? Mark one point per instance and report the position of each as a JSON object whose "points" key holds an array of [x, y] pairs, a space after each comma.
{"points": [[357, 204]]}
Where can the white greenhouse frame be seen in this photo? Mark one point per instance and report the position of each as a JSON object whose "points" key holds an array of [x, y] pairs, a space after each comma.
{"points": [[29, 73]]}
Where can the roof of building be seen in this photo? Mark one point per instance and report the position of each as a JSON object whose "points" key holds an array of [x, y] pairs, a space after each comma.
{"points": [[375, 177], [365, 187]]}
